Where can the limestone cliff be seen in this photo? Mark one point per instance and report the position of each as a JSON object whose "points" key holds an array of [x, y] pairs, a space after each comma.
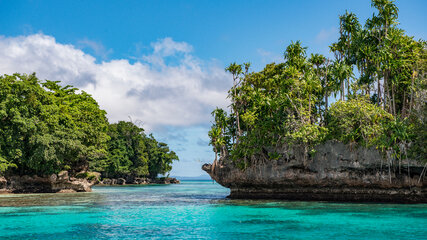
{"points": [[336, 172]]}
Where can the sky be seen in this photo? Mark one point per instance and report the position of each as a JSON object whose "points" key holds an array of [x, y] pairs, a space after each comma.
{"points": [[161, 63]]}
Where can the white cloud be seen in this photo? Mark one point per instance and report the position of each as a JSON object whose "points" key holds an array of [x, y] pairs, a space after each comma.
{"points": [[269, 57], [153, 90], [326, 35], [167, 47]]}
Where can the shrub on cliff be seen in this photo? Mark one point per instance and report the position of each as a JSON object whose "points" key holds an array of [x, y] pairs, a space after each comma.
{"points": [[418, 147], [357, 121]]}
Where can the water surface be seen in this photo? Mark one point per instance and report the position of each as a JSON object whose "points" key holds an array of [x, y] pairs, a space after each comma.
{"points": [[199, 210]]}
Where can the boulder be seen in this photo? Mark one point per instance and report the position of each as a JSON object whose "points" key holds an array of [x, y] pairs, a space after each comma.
{"points": [[174, 181], [63, 176], [77, 185], [53, 178], [140, 181], [3, 183], [121, 181], [97, 176], [106, 181]]}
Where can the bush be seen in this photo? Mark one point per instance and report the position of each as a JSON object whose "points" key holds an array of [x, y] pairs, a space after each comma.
{"points": [[357, 120], [87, 175], [91, 177], [83, 175]]}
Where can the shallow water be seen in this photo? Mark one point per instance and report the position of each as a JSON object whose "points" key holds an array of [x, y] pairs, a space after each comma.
{"points": [[199, 210]]}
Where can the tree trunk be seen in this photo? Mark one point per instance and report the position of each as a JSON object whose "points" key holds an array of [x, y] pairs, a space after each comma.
{"points": [[236, 112], [348, 88], [422, 173], [412, 93], [238, 126], [326, 107], [386, 100], [378, 91], [386, 94], [394, 100], [403, 105], [342, 90], [326, 88], [309, 107], [389, 170], [326, 101]]}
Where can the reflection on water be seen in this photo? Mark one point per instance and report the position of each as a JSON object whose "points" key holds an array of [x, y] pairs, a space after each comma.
{"points": [[198, 210]]}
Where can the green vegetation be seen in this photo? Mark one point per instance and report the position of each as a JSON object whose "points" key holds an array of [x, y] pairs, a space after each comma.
{"points": [[358, 121], [46, 128], [378, 73], [131, 152]]}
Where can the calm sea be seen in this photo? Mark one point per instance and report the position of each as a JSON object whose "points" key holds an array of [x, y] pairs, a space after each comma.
{"points": [[199, 210]]}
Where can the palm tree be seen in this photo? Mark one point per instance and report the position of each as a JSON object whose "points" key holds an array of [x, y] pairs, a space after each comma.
{"points": [[236, 71]]}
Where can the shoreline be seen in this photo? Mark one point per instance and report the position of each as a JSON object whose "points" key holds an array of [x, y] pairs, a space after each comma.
{"points": [[63, 183]]}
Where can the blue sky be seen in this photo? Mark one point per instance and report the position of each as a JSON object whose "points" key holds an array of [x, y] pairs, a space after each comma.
{"points": [[161, 62]]}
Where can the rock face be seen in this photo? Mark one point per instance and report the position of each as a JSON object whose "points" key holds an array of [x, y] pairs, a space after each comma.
{"points": [[337, 172], [138, 181], [52, 184], [3, 185], [63, 183]]}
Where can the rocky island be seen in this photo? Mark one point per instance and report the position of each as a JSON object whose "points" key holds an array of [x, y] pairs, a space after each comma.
{"points": [[337, 172], [282, 139]]}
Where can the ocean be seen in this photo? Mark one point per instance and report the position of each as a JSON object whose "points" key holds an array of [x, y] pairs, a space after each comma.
{"points": [[199, 210]]}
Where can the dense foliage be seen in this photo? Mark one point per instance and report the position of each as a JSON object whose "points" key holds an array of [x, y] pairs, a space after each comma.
{"points": [[131, 152], [46, 128], [358, 121], [377, 71]]}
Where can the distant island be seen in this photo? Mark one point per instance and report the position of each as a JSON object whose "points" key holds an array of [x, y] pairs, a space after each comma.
{"points": [[55, 138], [282, 138]]}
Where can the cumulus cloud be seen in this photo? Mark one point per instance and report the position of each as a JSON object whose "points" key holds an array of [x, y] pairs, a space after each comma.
{"points": [[156, 90]]}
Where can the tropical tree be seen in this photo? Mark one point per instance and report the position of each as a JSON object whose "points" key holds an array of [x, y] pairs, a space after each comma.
{"points": [[46, 128], [286, 104]]}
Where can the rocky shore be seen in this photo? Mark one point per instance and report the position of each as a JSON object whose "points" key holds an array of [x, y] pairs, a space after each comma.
{"points": [[63, 183], [336, 172], [136, 181], [60, 182]]}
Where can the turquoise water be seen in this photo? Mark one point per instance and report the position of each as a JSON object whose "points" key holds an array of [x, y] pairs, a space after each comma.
{"points": [[199, 210]]}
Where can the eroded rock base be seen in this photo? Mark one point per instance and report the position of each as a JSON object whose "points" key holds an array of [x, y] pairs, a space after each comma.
{"points": [[414, 195], [56, 183], [137, 181], [337, 172]]}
